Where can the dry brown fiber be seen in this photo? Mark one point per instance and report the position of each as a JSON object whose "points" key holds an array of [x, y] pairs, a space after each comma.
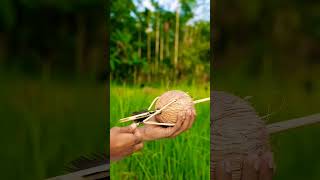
{"points": [[169, 114]]}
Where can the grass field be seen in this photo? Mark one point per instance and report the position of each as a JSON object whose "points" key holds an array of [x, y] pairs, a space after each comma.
{"points": [[45, 125], [185, 157]]}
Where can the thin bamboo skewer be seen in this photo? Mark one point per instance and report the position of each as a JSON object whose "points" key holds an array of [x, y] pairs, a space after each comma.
{"points": [[201, 100], [159, 111], [168, 124], [293, 123], [132, 117], [161, 124], [151, 105]]}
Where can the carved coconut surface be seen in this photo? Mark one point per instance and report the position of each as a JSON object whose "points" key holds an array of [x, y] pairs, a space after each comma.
{"points": [[236, 131], [169, 114]]}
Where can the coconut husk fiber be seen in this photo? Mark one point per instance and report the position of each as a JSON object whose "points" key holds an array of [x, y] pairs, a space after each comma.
{"points": [[169, 114], [236, 131]]}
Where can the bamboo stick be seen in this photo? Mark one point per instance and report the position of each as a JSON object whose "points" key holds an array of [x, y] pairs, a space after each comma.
{"points": [[160, 124], [201, 100], [293, 123], [98, 172]]}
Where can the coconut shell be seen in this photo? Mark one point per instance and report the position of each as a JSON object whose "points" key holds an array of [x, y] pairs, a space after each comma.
{"points": [[170, 113], [236, 131]]}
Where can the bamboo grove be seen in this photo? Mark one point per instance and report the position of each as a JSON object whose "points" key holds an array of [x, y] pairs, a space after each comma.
{"points": [[158, 46]]}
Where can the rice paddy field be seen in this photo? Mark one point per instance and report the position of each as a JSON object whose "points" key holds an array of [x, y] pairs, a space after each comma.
{"points": [[46, 124], [185, 157]]}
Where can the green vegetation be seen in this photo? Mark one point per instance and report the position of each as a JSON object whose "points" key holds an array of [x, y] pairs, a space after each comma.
{"points": [[52, 108], [148, 44], [53, 38], [185, 157], [47, 124]]}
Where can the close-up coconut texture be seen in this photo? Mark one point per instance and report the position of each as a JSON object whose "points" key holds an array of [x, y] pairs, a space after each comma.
{"points": [[236, 132], [170, 113]]}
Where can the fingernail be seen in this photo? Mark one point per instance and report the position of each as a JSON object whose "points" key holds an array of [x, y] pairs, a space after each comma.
{"points": [[133, 125]]}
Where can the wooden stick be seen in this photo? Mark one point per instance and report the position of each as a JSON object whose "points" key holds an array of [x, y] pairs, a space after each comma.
{"points": [[293, 123], [201, 100], [170, 124], [159, 111], [155, 99], [134, 117], [97, 172], [160, 124]]}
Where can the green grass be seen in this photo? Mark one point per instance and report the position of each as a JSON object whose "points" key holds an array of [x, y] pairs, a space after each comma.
{"points": [[185, 157], [45, 125]]}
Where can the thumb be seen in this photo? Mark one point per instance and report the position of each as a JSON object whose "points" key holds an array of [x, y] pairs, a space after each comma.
{"points": [[129, 129]]}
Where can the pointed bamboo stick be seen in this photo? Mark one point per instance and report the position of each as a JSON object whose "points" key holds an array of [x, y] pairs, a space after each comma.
{"points": [[293, 123]]}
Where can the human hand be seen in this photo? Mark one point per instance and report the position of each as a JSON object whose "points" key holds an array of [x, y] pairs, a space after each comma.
{"points": [[184, 122], [253, 168], [124, 141]]}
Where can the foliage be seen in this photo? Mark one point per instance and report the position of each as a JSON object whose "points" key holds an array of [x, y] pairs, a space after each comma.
{"points": [[142, 44], [47, 124], [53, 37]]}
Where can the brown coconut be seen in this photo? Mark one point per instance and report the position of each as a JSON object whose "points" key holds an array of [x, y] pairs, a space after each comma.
{"points": [[236, 131], [170, 113]]}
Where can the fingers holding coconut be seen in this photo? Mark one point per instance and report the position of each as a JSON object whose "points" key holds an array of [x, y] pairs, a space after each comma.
{"points": [[188, 119], [191, 117], [185, 123], [179, 112], [151, 132], [172, 131]]}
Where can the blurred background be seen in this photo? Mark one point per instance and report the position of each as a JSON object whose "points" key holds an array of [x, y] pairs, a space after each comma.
{"points": [[270, 50], [160, 41], [53, 85], [156, 46]]}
